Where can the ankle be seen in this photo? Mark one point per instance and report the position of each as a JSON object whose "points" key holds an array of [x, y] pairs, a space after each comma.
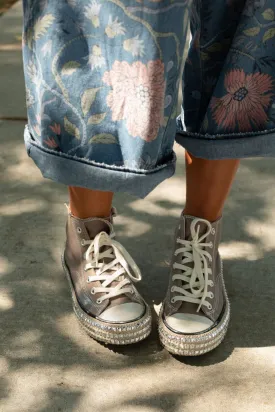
{"points": [[202, 214], [85, 203], [85, 214]]}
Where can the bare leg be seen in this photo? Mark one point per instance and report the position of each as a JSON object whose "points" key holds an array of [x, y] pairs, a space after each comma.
{"points": [[86, 203], [207, 185]]}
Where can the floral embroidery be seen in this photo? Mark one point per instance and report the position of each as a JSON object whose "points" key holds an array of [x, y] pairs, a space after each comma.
{"points": [[114, 28], [51, 142], [246, 102], [56, 128], [33, 74], [29, 98], [252, 6], [134, 46], [92, 13], [47, 48], [102, 76], [137, 96], [96, 60]]}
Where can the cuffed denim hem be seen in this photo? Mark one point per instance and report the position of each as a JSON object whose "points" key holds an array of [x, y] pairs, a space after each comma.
{"points": [[229, 146], [75, 171]]}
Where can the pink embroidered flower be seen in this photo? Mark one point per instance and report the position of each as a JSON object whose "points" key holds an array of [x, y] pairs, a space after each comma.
{"points": [[56, 128], [51, 143], [137, 96], [246, 102]]}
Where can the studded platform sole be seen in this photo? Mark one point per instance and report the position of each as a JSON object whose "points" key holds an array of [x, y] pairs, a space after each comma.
{"points": [[195, 344], [115, 333]]}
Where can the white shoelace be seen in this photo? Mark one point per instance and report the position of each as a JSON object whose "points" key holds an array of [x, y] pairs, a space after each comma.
{"points": [[121, 265], [196, 278]]}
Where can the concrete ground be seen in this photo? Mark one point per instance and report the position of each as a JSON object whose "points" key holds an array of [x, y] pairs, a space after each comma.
{"points": [[48, 364], [5, 5]]}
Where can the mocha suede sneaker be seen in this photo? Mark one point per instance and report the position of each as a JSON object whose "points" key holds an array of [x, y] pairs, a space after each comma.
{"points": [[195, 314], [101, 274]]}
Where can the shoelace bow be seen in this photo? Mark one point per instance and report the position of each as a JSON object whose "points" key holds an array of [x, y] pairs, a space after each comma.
{"points": [[195, 279], [121, 264]]}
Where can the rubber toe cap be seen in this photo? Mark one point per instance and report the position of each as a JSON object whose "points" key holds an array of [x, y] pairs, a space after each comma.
{"points": [[188, 323], [126, 312]]}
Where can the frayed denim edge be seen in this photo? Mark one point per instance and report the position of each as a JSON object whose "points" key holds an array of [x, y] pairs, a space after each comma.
{"points": [[74, 171], [228, 146]]}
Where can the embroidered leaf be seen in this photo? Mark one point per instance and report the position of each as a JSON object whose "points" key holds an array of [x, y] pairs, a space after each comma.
{"points": [[97, 118], [167, 101], [103, 138], [28, 38], [269, 34], [175, 112], [252, 32], [164, 121], [269, 14], [215, 47], [205, 124], [87, 99], [32, 72], [42, 25], [69, 68], [170, 65], [71, 128]]}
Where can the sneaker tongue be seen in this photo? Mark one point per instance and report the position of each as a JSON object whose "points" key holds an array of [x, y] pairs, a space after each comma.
{"points": [[200, 225], [185, 233], [94, 227]]}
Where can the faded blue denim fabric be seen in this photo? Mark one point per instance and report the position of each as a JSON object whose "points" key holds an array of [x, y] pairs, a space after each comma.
{"points": [[229, 80], [102, 82]]}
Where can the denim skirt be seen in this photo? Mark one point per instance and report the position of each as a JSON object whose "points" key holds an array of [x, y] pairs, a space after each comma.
{"points": [[103, 79]]}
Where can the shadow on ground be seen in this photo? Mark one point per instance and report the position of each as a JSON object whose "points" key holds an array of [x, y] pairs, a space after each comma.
{"points": [[38, 329]]}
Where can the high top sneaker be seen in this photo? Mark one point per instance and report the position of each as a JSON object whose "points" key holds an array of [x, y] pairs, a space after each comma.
{"points": [[101, 274], [195, 314]]}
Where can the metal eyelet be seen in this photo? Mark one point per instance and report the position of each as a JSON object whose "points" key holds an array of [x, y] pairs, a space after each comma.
{"points": [[211, 245], [172, 289], [210, 307], [173, 300], [211, 295], [213, 231], [82, 242], [79, 230], [132, 291], [98, 301], [93, 291], [212, 284]]}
